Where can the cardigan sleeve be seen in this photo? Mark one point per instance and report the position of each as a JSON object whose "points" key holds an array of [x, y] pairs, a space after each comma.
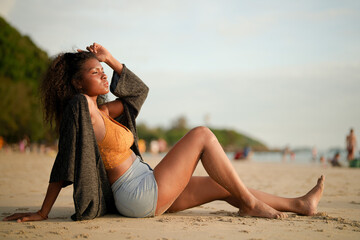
{"points": [[132, 92], [130, 89]]}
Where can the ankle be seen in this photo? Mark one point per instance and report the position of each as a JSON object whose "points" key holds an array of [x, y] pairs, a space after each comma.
{"points": [[304, 207], [250, 203]]}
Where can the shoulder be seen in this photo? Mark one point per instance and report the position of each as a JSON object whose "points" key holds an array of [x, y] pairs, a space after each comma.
{"points": [[78, 104], [91, 106], [87, 99], [78, 99], [104, 108]]}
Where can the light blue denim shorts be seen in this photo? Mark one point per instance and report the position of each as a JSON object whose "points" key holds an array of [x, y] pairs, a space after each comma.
{"points": [[136, 191]]}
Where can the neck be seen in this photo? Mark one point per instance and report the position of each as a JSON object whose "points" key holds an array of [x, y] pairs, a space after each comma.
{"points": [[94, 99]]}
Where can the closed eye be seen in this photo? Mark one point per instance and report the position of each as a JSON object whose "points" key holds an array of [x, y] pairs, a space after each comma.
{"points": [[97, 70]]}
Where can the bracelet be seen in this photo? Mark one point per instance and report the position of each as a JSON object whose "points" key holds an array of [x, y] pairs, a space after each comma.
{"points": [[42, 215]]}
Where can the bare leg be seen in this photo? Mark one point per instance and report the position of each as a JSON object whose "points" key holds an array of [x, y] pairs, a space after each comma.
{"points": [[173, 173], [201, 190], [305, 205]]}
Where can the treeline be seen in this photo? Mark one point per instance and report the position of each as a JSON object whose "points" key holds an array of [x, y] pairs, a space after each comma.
{"points": [[22, 64], [229, 139]]}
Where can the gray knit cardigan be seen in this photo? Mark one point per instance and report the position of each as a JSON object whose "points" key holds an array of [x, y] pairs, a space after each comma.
{"points": [[78, 161]]}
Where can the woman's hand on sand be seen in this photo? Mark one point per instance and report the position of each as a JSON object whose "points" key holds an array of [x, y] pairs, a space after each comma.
{"points": [[24, 217], [100, 52]]}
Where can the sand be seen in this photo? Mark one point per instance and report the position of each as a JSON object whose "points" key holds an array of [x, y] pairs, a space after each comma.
{"points": [[24, 177]]}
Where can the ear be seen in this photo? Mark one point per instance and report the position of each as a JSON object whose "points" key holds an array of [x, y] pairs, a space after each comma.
{"points": [[77, 84]]}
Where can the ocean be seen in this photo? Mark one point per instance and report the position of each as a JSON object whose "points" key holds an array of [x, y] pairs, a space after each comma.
{"points": [[300, 157]]}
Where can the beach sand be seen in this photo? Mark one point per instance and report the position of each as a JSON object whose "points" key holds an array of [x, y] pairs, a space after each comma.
{"points": [[24, 180]]}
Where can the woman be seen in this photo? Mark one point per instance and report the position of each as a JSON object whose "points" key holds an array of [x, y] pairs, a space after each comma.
{"points": [[70, 92], [351, 145]]}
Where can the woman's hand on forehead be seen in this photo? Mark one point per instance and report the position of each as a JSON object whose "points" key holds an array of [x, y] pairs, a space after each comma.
{"points": [[101, 53]]}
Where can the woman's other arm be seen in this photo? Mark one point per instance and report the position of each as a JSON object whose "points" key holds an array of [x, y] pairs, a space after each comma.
{"points": [[50, 198]]}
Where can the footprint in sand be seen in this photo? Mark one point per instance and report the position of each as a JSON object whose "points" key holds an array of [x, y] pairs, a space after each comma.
{"points": [[82, 235], [92, 227], [22, 209]]}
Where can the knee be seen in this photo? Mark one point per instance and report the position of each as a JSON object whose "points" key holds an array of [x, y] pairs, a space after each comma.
{"points": [[201, 130], [204, 133]]}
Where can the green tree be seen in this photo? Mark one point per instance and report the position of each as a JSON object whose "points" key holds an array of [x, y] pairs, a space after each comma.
{"points": [[230, 139], [22, 65]]}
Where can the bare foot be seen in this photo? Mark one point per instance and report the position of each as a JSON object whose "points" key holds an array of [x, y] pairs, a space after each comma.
{"points": [[309, 202], [261, 209]]}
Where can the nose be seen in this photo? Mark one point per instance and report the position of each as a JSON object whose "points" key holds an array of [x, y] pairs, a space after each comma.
{"points": [[104, 76]]}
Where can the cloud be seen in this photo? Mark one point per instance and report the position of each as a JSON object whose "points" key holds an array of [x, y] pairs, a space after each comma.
{"points": [[329, 14], [242, 26]]}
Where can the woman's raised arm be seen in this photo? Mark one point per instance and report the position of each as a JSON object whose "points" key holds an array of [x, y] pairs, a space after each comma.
{"points": [[113, 108]]}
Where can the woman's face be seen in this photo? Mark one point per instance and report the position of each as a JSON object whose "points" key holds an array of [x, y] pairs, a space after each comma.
{"points": [[94, 80]]}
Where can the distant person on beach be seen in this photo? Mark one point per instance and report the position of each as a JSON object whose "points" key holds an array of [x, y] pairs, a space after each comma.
{"points": [[239, 155], [351, 145], [314, 153], [286, 152], [24, 144], [243, 154], [335, 161], [99, 155], [1, 142], [322, 161], [142, 145]]}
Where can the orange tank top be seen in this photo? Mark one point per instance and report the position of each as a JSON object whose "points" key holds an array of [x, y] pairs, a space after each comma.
{"points": [[115, 146]]}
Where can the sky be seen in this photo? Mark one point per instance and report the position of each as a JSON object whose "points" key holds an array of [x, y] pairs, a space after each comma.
{"points": [[284, 72]]}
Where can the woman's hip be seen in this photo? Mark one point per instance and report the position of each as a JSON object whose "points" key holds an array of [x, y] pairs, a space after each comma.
{"points": [[135, 192]]}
